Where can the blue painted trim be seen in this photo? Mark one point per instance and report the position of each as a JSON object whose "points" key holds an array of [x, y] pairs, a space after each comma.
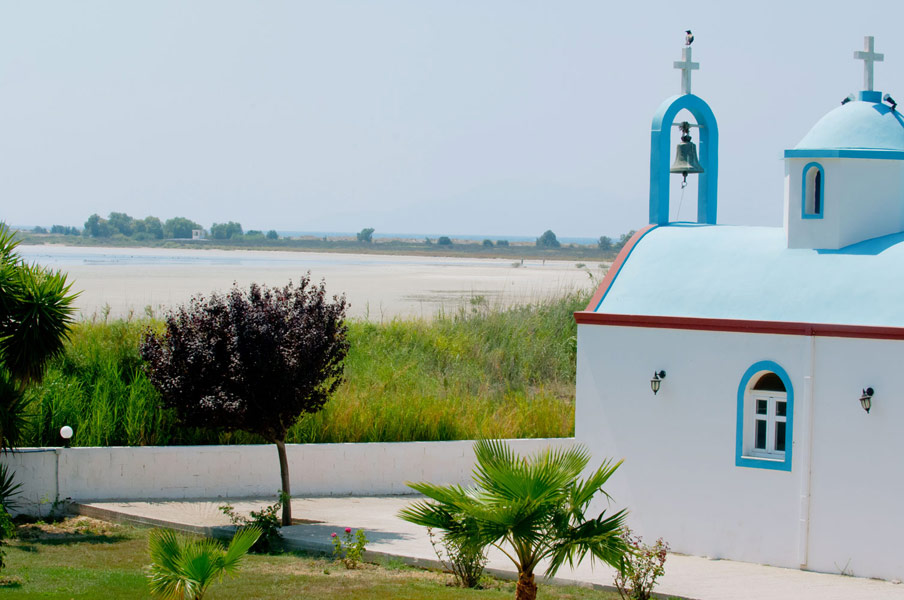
{"points": [[660, 147], [622, 266], [803, 191], [764, 463], [845, 153], [870, 96]]}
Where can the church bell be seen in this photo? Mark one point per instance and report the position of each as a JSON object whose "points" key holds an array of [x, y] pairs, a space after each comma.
{"points": [[686, 155]]}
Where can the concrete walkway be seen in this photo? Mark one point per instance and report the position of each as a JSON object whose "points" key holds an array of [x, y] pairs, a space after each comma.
{"points": [[686, 576]]}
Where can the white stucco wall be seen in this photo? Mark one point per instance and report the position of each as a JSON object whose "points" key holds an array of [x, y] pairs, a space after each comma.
{"points": [[857, 486], [862, 200], [175, 472], [679, 478]]}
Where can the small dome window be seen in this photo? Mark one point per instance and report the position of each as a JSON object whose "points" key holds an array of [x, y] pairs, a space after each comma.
{"points": [[813, 191]]}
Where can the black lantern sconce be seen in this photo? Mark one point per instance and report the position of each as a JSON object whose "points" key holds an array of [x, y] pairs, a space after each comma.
{"points": [[866, 399], [658, 376]]}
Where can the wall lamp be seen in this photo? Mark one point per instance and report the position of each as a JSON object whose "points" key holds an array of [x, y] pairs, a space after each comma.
{"points": [[658, 376], [866, 399]]}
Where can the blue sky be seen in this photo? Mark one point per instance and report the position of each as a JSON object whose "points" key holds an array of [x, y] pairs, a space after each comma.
{"points": [[480, 117]]}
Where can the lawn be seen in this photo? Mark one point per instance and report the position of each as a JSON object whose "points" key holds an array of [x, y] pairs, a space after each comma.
{"points": [[81, 558]]}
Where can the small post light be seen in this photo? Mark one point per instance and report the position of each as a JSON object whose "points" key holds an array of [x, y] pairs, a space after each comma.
{"points": [[66, 434], [866, 399], [658, 376]]}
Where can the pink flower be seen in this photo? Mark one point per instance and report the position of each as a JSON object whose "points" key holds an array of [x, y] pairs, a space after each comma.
{"points": [[333, 535], [348, 530]]}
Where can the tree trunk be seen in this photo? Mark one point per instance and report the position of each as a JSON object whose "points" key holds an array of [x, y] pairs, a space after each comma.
{"points": [[526, 589], [284, 476]]}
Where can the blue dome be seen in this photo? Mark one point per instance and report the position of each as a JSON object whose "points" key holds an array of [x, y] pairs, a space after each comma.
{"points": [[857, 125]]}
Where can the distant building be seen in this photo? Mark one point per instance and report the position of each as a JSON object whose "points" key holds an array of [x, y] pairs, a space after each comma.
{"points": [[775, 433], [197, 234]]}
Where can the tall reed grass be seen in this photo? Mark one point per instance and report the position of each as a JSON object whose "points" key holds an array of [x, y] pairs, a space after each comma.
{"points": [[479, 371]]}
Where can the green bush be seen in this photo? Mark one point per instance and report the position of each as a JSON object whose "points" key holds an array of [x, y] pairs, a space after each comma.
{"points": [[266, 520], [7, 531]]}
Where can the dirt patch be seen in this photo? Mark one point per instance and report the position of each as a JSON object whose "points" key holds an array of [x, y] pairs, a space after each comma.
{"points": [[67, 529]]}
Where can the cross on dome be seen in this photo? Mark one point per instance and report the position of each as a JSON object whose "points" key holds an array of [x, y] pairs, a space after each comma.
{"points": [[868, 56], [686, 65]]}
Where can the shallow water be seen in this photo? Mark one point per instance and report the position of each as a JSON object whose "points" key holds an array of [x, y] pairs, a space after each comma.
{"points": [[378, 287]]}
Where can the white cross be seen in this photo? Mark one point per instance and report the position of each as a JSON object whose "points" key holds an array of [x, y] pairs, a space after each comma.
{"points": [[686, 66], [868, 56]]}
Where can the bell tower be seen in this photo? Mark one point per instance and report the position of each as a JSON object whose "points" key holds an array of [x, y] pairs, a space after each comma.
{"points": [[660, 145]]}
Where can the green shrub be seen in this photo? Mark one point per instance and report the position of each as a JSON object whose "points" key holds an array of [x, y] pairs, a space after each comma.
{"points": [[267, 521], [348, 548], [7, 531], [466, 560], [641, 567]]}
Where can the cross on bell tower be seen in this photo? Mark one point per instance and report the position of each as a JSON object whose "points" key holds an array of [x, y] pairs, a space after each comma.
{"points": [[868, 56], [686, 65]]}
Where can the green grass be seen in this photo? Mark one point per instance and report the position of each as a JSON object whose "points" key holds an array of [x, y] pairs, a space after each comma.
{"points": [[480, 371], [100, 560]]}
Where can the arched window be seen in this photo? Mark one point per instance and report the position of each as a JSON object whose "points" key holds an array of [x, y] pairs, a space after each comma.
{"points": [[765, 418], [813, 192]]}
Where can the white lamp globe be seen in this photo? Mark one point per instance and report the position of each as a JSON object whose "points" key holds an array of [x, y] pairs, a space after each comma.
{"points": [[65, 432]]}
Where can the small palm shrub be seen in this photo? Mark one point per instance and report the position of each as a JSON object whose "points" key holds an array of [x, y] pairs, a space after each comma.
{"points": [[183, 568], [530, 508]]}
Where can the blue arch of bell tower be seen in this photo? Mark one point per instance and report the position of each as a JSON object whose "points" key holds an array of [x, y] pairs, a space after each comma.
{"points": [[660, 147]]}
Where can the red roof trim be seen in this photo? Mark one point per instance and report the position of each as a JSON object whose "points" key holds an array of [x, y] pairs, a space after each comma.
{"points": [[741, 326], [615, 267]]}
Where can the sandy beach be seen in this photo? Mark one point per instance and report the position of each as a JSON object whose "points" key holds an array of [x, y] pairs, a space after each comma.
{"points": [[128, 280]]}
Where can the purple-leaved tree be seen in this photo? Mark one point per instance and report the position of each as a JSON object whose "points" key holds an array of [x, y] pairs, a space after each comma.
{"points": [[252, 360]]}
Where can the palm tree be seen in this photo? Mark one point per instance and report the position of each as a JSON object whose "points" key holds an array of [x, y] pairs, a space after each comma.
{"points": [[35, 314], [183, 568], [531, 509]]}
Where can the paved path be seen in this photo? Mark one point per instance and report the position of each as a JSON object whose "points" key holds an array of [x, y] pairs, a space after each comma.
{"points": [[686, 576]]}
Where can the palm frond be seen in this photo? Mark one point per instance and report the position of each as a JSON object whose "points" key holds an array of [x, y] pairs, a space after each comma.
{"points": [[183, 568], [600, 537], [41, 311], [241, 543], [13, 418], [8, 488], [166, 578]]}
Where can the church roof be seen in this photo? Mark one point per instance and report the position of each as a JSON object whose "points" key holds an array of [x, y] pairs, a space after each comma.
{"points": [[857, 125], [748, 273]]}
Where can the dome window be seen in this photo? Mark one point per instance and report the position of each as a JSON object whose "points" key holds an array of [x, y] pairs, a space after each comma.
{"points": [[813, 191]]}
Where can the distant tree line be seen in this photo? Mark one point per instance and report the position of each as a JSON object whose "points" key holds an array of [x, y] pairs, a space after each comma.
{"points": [[152, 228]]}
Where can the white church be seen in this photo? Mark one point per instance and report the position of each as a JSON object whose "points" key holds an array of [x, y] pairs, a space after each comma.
{"points": [[749, 376]]}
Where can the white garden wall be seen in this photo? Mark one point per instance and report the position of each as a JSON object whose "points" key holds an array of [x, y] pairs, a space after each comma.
{"points": [[175, 472], [838, 509]]}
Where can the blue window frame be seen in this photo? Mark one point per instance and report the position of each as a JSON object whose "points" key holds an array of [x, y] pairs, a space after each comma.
{"points": [[765, 419], [813, 187]]}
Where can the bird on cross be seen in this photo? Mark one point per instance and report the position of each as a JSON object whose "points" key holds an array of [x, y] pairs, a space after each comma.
{"points": [[689, 38]]}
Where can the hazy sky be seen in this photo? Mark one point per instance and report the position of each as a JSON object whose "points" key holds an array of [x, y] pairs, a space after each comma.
{"points": [[484, 117]]}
